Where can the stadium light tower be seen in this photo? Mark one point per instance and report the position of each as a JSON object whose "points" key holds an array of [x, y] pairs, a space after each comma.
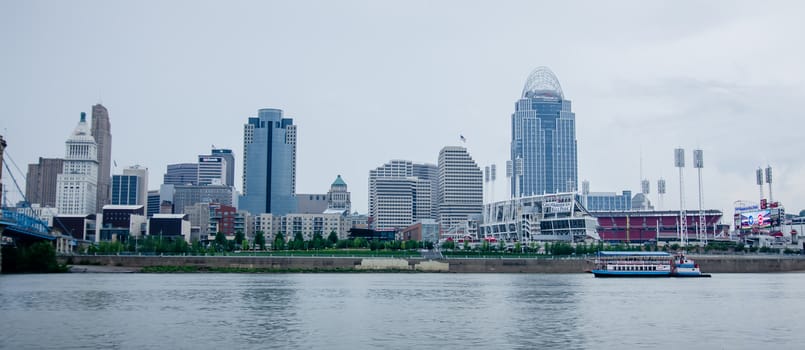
{"points": [[759, 177], [509, 174], [660, 191], [487, 193], [698, 163], [768, 181], [679, 162]]}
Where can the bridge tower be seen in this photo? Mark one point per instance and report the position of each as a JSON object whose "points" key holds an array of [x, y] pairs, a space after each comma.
{"points": [[2, 149]]}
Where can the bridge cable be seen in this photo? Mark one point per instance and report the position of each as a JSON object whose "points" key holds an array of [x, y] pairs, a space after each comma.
{"points": [[14, 179], [24, 198]]}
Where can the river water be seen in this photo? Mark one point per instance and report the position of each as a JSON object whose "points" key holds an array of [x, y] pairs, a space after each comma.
{"points": [[399, 311]]}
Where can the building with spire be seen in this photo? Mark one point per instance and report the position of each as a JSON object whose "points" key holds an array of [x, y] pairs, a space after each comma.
{"points": [[77, 185], [102, 133], [543, 146]]}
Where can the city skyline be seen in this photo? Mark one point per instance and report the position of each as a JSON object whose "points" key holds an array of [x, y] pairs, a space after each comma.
{"points": [[399, 82]]}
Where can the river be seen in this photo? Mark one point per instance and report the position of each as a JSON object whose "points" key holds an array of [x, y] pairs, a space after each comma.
{"points": [[399, 311]]}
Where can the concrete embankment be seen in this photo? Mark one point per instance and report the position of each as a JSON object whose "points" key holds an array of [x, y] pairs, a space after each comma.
{"points": [[709, 264]]}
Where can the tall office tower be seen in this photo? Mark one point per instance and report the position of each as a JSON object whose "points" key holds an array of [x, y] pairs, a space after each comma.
{"points": [[269, 164], [181, 174], [397, 198], [230, 164], [461, 186], [77, 185], [430, 172], [212, 169], [40, 183], [543, 138], [153, 203], [131, 188], [102, 132], [338, 197]]}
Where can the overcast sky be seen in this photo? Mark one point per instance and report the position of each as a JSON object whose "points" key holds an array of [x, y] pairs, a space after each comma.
{"points": [[371, 81]]}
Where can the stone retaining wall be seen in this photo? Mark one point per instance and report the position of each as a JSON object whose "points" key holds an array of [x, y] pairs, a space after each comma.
{"points": [[728, 264]]}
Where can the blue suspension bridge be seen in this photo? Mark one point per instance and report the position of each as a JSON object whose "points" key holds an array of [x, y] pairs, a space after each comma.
{"points": [[15, 224]]}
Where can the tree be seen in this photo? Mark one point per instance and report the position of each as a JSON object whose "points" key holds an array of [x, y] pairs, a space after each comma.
{"points": [[360, 242], [449, 244], [38, 257], [179, 246], [239, 237], [318, 241], [260, 240], [279, 242], [195, 246], [375, 245], [466, 245], [298, 241], [333, 237], [221, 242]]}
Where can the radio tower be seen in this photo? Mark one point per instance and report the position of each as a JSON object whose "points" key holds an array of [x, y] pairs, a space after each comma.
{"points": [[698, 163], [679, 162]]}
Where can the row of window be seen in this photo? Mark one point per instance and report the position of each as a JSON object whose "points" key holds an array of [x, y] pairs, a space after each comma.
{"points": [[634, 268]]}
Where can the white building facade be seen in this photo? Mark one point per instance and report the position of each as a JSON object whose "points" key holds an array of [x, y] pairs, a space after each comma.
{"points": [[77, 185], [461, 188]]}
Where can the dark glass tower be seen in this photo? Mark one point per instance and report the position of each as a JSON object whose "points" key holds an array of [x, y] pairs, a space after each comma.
{"points": [[543, 147], [269, 164]]}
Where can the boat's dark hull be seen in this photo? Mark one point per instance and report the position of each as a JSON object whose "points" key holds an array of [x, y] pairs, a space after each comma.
{"points": [[615, 275]]}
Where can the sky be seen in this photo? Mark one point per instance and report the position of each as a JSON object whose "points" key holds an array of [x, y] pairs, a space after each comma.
{"points": [[371, 81]]}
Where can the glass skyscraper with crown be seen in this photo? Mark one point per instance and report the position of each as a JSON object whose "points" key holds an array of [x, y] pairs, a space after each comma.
{"points": [[543, 146], [269, 164]]}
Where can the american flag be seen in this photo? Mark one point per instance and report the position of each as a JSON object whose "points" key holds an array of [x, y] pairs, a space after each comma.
{"points": [[462, 138]]}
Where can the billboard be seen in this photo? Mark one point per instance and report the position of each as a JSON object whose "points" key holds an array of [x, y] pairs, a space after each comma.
{"points": [[759, 219]]}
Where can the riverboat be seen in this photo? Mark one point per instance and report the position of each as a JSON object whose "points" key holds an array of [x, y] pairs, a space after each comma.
{"points": [[645, 264]]}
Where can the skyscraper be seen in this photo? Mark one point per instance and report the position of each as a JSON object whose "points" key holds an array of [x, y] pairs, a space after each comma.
{"points": [[461, 191], [212, 169], [102, 133], [77, 185], [397, 198], [230, 164], [543, 145], [40, 183], [269, 164], [131, 188], [181, 174]]}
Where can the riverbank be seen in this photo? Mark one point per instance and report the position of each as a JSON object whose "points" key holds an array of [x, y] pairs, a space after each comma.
{"points": [[123, 263]]}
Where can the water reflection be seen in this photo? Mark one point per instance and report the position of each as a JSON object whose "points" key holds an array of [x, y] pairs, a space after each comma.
{"points": [[430, 311]]}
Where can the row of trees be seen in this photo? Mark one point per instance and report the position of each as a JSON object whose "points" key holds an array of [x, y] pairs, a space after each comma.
{"points": [[549, 248], [38, 257]]}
